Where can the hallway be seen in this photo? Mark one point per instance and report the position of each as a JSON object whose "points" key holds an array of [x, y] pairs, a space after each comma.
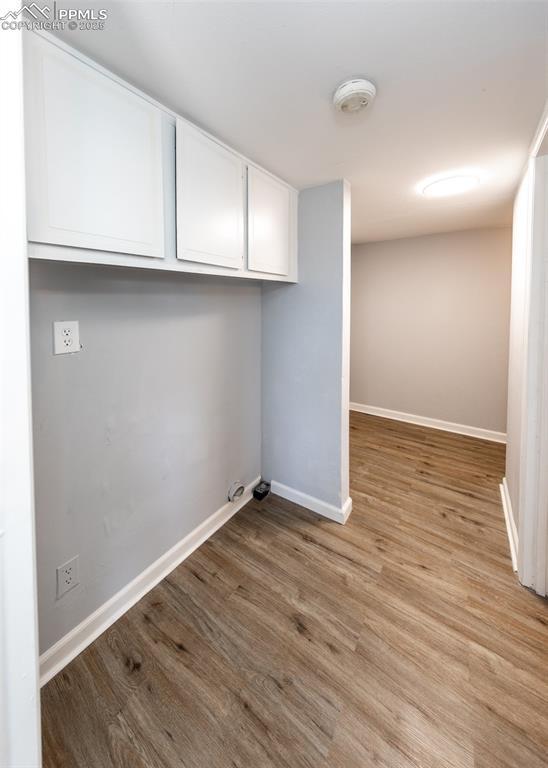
{"points": [[401, 639]]}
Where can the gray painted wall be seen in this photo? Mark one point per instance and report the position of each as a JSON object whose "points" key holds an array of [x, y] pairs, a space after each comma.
{"points": [[430, 322], [137, 437], [305, 386]]}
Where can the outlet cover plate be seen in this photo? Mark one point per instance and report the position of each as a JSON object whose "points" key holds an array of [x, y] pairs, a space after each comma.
{"points": [[66, 337], [68, 576]]}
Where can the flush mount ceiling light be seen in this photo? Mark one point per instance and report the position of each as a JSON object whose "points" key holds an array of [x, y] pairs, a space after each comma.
{"points": [[445, 186], [354, 95]]}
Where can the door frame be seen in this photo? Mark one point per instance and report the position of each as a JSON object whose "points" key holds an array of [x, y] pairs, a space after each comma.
{"points": [[533, 496], [20, 743], [534, 526]]}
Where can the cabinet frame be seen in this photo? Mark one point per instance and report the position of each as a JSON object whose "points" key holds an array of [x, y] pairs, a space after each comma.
{"points": [[46, 250]]}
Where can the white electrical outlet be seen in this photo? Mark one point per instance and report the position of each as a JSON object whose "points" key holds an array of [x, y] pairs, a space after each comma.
{"points": [[67, 576], [66, 337]]}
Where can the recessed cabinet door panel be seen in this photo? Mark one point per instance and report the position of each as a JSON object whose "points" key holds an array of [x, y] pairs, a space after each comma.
{"points": [[94, 153], [268, 223], [210, 200]]}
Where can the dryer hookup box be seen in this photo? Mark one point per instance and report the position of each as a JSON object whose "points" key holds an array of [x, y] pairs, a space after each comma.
{"points": [[261, 491]]}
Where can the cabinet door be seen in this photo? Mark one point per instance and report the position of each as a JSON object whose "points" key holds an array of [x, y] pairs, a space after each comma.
{"points": [[268, 223], [94, 152], [210, 200]]}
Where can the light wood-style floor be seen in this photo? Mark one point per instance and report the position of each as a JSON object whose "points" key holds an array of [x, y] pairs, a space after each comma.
{"points": [[401, 639]]}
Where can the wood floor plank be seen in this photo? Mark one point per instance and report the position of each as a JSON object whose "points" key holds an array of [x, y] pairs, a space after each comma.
{"points": [[401, 640]]}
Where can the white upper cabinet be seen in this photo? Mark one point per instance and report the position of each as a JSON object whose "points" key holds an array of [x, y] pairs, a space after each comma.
{"points": [[210, 200], [118, 178], [269, 224], [94, 157]]}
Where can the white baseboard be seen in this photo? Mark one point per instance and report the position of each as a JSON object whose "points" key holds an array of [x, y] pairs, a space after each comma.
{"points": [[68, 647], [338, 514], [426, 421], [511, 529]]}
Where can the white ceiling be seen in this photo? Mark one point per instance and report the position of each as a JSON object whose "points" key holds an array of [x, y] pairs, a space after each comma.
{"points": [[460, 84]]}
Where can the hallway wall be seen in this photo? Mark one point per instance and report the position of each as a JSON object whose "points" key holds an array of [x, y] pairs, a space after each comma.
{"points": [[430, 320]]}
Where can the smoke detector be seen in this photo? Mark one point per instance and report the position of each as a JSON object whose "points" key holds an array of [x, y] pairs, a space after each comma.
{"points": [[354, 95]]}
